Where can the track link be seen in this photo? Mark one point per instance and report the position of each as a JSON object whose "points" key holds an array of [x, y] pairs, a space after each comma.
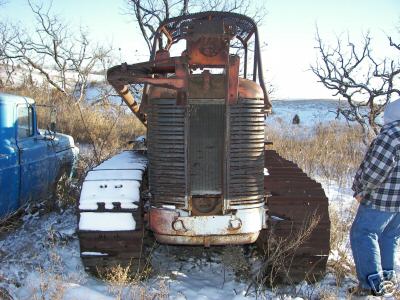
{"points": [[294, 200], [110, 217]]}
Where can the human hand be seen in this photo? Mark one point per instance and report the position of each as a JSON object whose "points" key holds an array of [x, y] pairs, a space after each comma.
{"points": [[359, 198]]}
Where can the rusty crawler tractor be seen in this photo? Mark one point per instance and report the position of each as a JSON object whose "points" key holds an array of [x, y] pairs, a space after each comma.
{"points": [[205, 182]]}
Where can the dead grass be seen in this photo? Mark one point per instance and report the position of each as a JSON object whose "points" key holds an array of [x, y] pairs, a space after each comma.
{"points": [[10, 222], [341, 263], [332, 151]]}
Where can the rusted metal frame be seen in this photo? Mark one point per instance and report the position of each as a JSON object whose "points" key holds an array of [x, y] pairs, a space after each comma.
{"points": [[245, 62], [209, 14], [244, 44], [182, 72], [208, 240], [267, 102], [231, 90], [255, 57], [233, 79], [168, 36], [121, 76], [188, 200], [246, 40], [201, 15], [163, 223]]}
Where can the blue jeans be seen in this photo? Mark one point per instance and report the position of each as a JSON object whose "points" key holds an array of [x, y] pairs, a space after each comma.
{"points": [[374, 239]]}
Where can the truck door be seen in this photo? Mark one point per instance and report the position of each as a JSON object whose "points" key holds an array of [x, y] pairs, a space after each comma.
{"points": [[9, 162], [32, 155]]}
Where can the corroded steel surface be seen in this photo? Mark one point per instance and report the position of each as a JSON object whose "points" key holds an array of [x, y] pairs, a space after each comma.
{"points": [[172, 228], [247, 89], [294, 199], [167, 152], [180, 168], [246, 153], [234, 239]]}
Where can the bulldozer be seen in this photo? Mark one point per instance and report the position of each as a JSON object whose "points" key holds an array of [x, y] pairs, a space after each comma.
{"points": [[207, 176]]}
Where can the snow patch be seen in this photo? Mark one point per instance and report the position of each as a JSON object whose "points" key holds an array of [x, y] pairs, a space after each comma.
{"points": [[114, 175], [88, 253], [94, 221], [114, 182], [108, 191]]}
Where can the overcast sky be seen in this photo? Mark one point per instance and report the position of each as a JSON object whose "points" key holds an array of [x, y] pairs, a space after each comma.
{"points": [[288, 30]]}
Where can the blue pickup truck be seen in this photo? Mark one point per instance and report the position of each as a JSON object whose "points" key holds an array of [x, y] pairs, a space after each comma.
{"points": [[31, 161]]}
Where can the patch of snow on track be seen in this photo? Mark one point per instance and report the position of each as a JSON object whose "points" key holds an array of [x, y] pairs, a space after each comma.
{"points": [[103, 221]]}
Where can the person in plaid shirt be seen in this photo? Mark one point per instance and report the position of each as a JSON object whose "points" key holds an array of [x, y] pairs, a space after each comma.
{"points": [[375, 232]]}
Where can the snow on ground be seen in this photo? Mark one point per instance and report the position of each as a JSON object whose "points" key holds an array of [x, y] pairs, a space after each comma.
{"points": [[41, 258]]}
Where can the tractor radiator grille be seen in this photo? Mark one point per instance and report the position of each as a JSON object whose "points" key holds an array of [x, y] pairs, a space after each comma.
{"points": [[174, 154], [166, 151], [246, 163]]}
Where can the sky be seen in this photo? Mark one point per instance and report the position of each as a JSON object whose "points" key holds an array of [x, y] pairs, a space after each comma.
{"points": [[288, 30]]}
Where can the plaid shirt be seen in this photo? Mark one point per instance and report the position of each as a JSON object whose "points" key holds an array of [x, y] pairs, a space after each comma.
{"points": [[378, 178]]}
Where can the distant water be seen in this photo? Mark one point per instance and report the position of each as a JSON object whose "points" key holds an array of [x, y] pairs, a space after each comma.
{"points": [[310, 112]]}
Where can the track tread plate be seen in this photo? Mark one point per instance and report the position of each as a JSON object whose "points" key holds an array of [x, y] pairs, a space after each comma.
{"points": [[103, 249], [293, 196]]}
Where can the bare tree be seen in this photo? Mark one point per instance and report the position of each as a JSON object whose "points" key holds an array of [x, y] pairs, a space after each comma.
{"points": [[63, 58], [354, 74], [149, 14], [7, 34]]}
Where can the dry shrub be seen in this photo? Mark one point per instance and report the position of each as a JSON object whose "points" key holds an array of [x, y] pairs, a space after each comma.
{"points": [[4, 294], [160, 291], [117, 278], [327, 295], [279, 255], [341, 263], [10, 222], [123, 283], [233, 258]]}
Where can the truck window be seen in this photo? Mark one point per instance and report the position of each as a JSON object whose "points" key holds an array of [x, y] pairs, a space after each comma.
{"points": [[25, 121]]}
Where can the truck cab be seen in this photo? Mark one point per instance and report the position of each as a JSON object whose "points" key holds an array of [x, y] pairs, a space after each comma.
{"points": [[31, 161]]}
